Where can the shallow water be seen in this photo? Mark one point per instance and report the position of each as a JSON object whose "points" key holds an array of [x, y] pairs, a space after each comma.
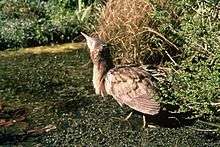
{"points": [[55, 89]]}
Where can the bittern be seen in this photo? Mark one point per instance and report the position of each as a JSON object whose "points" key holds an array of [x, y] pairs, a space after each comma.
{"points": [[132, 86]]}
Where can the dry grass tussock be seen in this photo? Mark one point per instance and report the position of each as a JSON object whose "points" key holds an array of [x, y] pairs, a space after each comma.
{"points": [[125, 25]]}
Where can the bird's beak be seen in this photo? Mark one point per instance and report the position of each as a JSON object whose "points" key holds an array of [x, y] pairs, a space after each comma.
{"points": [[86, 36], [89, 41]]}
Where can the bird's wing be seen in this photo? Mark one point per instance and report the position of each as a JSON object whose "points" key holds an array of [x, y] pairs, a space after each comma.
{"points": [[132, 86]]}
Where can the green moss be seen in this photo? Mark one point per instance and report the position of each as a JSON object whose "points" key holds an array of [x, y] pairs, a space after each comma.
{"points": [[57, 89]]}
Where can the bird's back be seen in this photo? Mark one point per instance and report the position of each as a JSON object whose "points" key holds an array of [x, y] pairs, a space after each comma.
{"points": [[132, 86]]}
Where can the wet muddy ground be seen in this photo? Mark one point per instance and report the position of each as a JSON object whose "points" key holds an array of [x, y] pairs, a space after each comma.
{"points": [[47, 99]]}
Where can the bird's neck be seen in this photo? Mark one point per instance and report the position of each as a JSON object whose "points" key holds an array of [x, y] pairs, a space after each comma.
{"points": [[100, 69]]}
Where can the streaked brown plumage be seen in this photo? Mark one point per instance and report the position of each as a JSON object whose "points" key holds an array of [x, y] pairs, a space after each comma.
{"points": [[131, 86]]}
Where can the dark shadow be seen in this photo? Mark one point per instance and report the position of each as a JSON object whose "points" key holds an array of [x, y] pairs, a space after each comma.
{"points": [[169, 119], [174, 120]]}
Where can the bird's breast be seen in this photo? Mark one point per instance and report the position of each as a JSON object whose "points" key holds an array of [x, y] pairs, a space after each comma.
{"points": [[99, 80], [96, 79]]}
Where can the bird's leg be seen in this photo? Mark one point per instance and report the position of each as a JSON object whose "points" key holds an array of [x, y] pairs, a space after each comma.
{"points": [[144, 121], [128, 116]]}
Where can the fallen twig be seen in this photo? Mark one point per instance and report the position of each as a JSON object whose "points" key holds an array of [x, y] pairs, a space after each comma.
{"points": [[205, 130], [10, 122], [17, 115], [210, 124], [46, 129]]}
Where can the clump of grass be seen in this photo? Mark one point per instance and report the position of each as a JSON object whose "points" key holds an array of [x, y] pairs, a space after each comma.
{"points": [[128, 26], [123, 23]]}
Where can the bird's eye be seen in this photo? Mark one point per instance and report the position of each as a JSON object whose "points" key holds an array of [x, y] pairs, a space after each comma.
{"points": [[104, 45]]}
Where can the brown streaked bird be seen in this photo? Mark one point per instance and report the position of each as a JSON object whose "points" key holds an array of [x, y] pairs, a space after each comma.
{"points": [[128, 85]]}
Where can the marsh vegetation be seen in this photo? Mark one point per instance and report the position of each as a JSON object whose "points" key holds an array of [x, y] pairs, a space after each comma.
{"points": [[46, 93]]}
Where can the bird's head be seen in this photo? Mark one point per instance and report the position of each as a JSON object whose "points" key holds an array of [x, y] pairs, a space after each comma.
{"points": [[94, 44], [97, 48]]}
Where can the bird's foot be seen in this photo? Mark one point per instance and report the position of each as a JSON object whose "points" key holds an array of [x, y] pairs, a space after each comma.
{"points": [[151, 126], [145, 125]]}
